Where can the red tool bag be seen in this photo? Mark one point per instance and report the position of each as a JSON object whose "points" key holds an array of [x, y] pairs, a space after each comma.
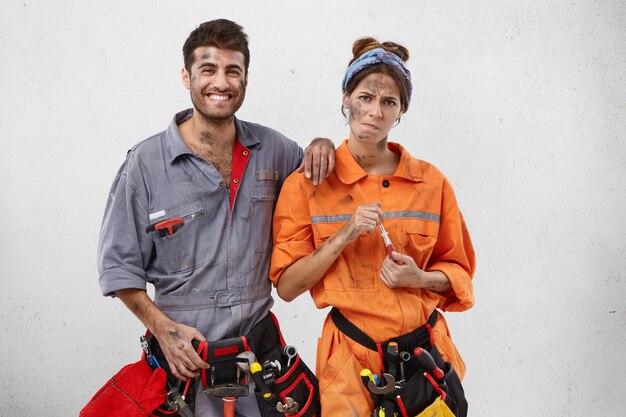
{"points": [[135, 391]]}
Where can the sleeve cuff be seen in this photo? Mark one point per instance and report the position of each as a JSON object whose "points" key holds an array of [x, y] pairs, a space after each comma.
{"points": [[461, 297], [286, 254], [115, 279]]}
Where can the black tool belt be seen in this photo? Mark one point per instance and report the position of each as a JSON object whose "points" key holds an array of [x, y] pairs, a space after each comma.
{"points": [[282, 380], [418, 337], [405, 385]]}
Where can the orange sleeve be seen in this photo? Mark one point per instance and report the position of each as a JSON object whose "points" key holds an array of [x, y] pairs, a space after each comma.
{"points": [[293, 234], [453, 254]]}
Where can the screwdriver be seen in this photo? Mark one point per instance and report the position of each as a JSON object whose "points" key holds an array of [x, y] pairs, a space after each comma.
{"points": [[392, 349], [255, 369], [366, 376], [388, 243], [426, 360]]}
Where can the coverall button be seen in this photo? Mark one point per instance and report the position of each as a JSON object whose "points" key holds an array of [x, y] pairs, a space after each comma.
{"points": [[236, 180], [245, 153], [385, 183]]}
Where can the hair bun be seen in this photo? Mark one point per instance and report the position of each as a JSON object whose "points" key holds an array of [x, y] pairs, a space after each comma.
{"points": [[363, 45], [397, 49]]}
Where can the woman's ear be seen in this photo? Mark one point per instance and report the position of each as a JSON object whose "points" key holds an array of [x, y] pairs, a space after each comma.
{"points": [[346, 100]]}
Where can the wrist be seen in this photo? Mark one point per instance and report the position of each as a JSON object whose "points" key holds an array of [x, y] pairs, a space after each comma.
{"points": [[162, 325], [344, 236], [436, 281]]}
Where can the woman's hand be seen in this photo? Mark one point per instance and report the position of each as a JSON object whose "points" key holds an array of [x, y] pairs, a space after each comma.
{"points": [[364, 220], [403, 272]]}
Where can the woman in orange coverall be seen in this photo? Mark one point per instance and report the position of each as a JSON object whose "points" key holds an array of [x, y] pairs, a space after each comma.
{"points": [[327, 237]]}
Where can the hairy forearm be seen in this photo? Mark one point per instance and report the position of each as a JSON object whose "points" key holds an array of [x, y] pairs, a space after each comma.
{"points": [[307, 271], [144, 308]]}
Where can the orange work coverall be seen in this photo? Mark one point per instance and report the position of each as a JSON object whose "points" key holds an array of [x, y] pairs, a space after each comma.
{"points": [[421, 215]]}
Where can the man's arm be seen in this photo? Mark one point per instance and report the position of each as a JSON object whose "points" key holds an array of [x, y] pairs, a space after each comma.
{"points": [[123, 251], [319, 160], [174, 338]]}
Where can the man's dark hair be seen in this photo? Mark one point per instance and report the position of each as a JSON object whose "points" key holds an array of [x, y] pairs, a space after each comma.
{"points": [[221, 33]]}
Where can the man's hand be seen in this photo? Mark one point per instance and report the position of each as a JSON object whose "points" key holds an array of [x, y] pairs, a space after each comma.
{"points": [[319, 160], [175, 341], [174, 338]]}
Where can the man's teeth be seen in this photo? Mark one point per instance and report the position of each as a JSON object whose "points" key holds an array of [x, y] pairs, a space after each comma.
{"points": [[218, 97]]}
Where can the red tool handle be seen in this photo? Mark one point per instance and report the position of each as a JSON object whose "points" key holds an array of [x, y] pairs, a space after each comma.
{"points": [[169, 224], [428, 363], [229, 406], [390, 249]]}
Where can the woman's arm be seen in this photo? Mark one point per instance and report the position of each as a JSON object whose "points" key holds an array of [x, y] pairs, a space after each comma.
{"points": [[451, 266], [303, 274]]}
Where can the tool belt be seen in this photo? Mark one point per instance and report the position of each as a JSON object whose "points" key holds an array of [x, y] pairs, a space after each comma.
{"points": [[284, 379], [412, 388]]}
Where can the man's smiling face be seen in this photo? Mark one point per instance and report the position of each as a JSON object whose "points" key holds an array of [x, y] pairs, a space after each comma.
{"points": [[217, 82]]}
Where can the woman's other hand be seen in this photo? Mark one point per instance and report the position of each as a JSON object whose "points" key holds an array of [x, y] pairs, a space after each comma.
{"points": [[403, 272]]}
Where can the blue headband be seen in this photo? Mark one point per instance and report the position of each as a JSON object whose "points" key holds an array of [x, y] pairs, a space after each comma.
{"points": [[378, 56]]}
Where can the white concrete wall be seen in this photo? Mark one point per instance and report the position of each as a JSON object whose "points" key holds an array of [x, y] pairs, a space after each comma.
{"points": [[521, 104]]}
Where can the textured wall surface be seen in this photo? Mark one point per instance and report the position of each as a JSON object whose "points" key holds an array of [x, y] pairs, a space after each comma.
{"points": [[521, 104]]}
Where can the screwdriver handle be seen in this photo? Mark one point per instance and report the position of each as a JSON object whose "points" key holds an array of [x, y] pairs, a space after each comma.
{"points": [[255, 370], [392, 349], [366, 376], [428, 363]]}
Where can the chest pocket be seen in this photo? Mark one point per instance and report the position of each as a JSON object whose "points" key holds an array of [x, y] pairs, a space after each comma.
{"points": [[419, 239], [192, 244], [263, 200], [354, 269]]}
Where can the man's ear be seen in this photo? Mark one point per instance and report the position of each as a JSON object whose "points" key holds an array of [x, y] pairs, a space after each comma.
{"points": [[186, 78], [246, 80]]}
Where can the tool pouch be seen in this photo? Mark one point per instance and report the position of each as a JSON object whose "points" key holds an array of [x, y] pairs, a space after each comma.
{"points": [[419, 389], [224, 378], [167, 408], [295, 380]]}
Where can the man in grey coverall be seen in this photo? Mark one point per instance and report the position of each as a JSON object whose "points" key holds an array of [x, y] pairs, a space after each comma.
{"points": [[212, 180]]}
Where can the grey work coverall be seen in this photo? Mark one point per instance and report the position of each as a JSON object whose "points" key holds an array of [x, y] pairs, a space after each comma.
{"points": [[212, 272]]}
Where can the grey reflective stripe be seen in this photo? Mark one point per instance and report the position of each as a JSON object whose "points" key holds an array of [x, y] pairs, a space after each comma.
{"points": [[406, 214], [411, 215], [330, 219], [221, 298]]}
